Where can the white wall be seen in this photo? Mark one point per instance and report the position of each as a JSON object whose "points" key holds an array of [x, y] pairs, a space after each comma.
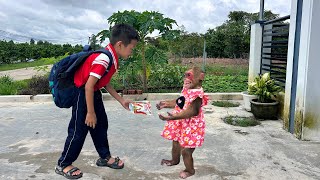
{"points": [[311, 55], [307, 104]]}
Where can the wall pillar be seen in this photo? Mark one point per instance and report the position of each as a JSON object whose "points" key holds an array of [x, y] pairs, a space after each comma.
{"points": [[255, 51]]}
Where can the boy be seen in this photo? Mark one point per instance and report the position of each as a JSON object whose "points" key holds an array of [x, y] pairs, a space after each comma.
{"points": [[88, 113]]}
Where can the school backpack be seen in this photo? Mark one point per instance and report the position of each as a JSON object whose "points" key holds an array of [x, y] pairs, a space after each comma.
{"points": [[61, 77]]}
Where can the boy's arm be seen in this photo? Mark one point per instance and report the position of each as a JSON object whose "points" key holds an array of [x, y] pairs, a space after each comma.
{"points": [[91, 119], [113, 93], [192, 110]]}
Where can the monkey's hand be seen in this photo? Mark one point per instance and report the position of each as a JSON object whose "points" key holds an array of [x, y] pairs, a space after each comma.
{"points": [[165, 118], [161, 104]]}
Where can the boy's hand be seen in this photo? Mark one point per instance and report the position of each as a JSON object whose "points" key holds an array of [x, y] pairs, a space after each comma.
{"points": [[91, 120], [125, 103], [161, 104], [163, 117]]}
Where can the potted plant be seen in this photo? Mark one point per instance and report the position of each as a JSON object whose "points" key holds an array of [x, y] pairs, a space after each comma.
{"points": [[265, 106], [246, 100]]}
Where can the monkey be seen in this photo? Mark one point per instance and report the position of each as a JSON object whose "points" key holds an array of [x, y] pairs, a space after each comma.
{"points": [[185, 125]]}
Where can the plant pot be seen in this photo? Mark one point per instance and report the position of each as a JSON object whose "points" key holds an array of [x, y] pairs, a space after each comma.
{"points": [[139, 91], [131, 91], [246, 100], [265, 110]]}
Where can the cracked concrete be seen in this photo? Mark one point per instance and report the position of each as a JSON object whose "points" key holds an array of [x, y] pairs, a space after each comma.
{"points": [[33, 135]]}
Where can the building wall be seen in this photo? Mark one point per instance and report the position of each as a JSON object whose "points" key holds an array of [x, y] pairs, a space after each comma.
{"points": [[311, 114], [307, 103]]}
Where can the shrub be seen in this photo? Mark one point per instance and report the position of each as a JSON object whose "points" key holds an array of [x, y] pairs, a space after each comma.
{"points": [[166, 76], [37, 85], [225, 104], [10, 87], [227, 83]]}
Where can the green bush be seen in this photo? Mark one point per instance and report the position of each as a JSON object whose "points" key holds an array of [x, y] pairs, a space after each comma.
{"points": [[166, 76], [225, 83], [10, 87], [37, 85]]}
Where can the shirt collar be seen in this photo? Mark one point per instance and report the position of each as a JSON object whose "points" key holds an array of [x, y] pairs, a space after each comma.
{"points": [[114, 56]]}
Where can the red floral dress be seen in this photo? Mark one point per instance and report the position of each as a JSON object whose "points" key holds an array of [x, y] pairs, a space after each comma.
{"points": [[188, 132]]}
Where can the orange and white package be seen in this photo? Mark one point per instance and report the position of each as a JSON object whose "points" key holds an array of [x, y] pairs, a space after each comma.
{"points": [[140, 107]]}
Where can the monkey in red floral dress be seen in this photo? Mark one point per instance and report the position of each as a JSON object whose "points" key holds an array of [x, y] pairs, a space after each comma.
{"points": [[185, 125]]}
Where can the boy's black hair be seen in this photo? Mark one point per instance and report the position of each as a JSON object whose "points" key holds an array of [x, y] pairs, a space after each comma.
{"points": [[124, 33]]}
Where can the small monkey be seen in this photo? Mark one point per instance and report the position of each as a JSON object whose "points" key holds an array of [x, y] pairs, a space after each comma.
{"points": [[185, 125]]}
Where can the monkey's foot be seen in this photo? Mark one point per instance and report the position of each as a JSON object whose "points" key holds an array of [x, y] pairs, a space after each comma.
{"points": [[184, 174], [169, 162]]}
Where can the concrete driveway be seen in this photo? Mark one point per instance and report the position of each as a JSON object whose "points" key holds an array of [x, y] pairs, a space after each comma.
{"points": [[25, 73], [33, 135]]}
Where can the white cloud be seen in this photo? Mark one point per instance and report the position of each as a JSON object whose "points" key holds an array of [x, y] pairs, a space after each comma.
{"points": [[74, 21]]}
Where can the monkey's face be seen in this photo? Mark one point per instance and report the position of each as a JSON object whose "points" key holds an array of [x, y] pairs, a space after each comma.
{"points": [[189, 81]]}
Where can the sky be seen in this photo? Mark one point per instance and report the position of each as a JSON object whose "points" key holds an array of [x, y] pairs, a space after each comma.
{"points": [[73, 21]]}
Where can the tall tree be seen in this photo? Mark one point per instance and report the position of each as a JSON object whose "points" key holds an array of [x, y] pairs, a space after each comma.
{"points": [[145, 23], [232, 38]]}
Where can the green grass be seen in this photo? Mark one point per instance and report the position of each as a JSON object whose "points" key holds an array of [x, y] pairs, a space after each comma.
{"points": [[227, 78], [39, 62], [225, 104], [241, 121], [229, 83], [10, 87], [232, 70]]}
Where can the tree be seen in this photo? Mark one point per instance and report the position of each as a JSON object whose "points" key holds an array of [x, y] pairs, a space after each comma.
{"points": [[93, 42], [232, 38], [32, 41], [145, 23]]}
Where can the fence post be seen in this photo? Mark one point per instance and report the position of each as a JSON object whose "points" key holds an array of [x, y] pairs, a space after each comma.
{"points": [[255, 51]]}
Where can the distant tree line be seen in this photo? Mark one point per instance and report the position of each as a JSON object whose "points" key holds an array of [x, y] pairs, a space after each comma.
{"points": [[229, 40], [11, 52]]}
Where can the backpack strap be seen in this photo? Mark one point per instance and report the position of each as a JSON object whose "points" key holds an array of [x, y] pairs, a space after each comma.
{"points": [[82, 58], [87, 48], [108, 53]]}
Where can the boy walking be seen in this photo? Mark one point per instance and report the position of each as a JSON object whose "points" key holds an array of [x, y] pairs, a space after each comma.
{"points": [[88, 113]]}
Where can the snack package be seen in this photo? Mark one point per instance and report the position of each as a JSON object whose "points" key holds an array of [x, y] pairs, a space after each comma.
{"points": [[140, 107]]}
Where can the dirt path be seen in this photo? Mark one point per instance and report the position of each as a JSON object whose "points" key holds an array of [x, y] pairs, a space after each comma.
{"points": [[23, 73]]}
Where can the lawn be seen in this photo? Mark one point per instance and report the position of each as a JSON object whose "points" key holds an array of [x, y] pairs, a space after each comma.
{"points": [[226, 77]]}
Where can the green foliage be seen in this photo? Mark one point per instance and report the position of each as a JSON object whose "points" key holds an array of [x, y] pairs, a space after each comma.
{"points": [[93, 42], [131, 70], [264, 87], [187, 45], [166, 77], [36, 85], [224, 70], [232, 38], [225, 104], [227, 83], [145, 23], [11, 52], [10, 87], [241, 121]]}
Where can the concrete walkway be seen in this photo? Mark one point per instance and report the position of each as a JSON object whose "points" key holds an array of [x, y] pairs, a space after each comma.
{"points": [[33, 135]]}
